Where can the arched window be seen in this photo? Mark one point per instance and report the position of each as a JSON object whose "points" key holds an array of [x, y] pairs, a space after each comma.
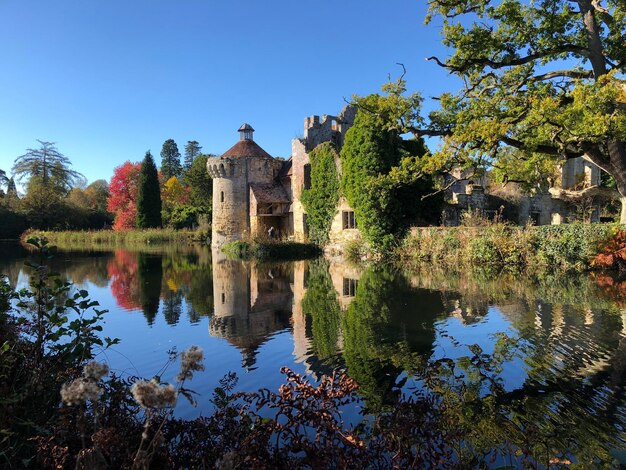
{"points": [[222, 196]]}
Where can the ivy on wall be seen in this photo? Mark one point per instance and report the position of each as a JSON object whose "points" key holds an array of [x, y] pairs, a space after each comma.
{"points": [[321, 199], [382, 177]]}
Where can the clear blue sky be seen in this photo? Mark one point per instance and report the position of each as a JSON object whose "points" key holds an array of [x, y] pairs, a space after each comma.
{"points": [[108, 80]]}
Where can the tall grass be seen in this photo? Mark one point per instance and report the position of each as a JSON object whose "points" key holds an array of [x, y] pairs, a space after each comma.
{"points": [[570, 246], [125, 238]]}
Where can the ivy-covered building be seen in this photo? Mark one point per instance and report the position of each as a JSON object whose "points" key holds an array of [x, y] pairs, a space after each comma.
{"points": [[255, 194]]}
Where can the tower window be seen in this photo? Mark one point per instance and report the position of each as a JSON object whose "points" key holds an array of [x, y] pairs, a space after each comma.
{"points": [[223, 297], [349, 287], [222, 196], [348, 219]]}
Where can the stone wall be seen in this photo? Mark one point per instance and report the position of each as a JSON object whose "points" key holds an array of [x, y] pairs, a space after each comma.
{"points": [[230, 200]]}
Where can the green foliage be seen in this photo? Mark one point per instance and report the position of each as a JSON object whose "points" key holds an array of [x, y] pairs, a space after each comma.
{"points": [[320, 201], [47, 332], [571, 246], [321, 305], [201, 186], [170, 160], [13, 223], [46, 167], [192, 150], [543, 81], [149, 196], [382, 176], [264, 250]]}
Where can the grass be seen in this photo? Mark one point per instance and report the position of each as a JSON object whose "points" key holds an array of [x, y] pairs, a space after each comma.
{"points": [[112, 238], [270, 250], [566, 247]]}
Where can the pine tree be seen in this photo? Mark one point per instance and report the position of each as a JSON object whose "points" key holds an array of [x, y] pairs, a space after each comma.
{"points": [[149, 197], [11, 188], [170, 160], [192, 150]]}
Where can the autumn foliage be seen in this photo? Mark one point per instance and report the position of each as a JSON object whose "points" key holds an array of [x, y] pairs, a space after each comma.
{"points": [[123, 192], [613, 254]]}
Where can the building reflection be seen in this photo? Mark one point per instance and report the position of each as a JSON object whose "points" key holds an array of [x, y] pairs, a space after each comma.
{"points": [[252, 302]]}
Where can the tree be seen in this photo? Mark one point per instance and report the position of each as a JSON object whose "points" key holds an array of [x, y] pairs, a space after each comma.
{"points": [[170, 160], [192, 150], [382, 174], [3, 179], [540, 78], [149, 195], [200, 184], [48, 167], [123, 191]]}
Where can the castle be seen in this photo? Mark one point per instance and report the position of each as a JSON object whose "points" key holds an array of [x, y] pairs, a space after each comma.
{"points": [[256, 194]]}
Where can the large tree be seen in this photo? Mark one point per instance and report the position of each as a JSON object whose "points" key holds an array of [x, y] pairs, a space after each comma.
{"points": [[47, 167], [123, 191], [192, 150], [542, 80], [149, 195], [170, 160]]}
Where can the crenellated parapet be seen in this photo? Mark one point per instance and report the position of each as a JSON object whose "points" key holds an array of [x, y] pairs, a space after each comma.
{"points": [[219, 167]]}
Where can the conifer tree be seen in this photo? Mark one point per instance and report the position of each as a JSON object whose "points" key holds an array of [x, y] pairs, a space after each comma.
{"points": [[149, 196], [170, 160], [192, 150]]}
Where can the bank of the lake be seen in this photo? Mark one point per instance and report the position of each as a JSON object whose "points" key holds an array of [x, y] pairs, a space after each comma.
{"points": [[565, 247], [118, 238], [266, 250]]}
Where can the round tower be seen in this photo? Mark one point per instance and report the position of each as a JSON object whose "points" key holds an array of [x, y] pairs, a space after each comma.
{"points": [[231, 174]]}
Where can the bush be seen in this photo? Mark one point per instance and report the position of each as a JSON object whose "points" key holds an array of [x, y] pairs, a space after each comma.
{"points": [[571, 246], [263, 250]]}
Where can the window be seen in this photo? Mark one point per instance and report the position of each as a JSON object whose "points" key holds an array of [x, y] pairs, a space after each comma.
{"points": [[223, 298], [348, 219], [222, 196], [349, 287], [307, 176]]}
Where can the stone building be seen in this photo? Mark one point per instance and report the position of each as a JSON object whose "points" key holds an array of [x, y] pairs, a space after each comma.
{"points": [[543, 206], [255, 194]]}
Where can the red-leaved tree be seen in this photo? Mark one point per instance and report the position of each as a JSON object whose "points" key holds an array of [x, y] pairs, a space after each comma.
{"points": [[123, 195]]}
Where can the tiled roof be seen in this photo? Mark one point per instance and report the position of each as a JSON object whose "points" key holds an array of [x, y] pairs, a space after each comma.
{"points": [[246, 148], [269, 193]]}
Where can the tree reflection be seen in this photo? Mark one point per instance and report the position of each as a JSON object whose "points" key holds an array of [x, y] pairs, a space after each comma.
{"points": [[122, 269], [149, 277], [387, 328], [321, 305]]}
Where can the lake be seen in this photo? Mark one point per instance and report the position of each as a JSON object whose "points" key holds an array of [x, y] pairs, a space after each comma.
{"points": [[554, 345]]}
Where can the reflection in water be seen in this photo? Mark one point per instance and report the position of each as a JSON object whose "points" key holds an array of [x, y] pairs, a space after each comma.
{"points": [[149, 277], [252, 302], [557, 378]]}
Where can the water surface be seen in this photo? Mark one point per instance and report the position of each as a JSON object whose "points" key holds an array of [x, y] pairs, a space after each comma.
{"points": [[564, 381]]}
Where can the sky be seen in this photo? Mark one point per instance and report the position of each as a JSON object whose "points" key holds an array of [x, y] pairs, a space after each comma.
{"points": [[108, 80]]}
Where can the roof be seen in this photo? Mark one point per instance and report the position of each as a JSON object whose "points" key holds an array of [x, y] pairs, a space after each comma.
{"points": [[269, 193], [246, 148], [285, 170], [245, 127]]}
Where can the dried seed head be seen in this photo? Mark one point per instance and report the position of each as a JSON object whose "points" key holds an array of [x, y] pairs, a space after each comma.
{"points": [[191, 360], [95, 370], [79, 391], [149, 394]]}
